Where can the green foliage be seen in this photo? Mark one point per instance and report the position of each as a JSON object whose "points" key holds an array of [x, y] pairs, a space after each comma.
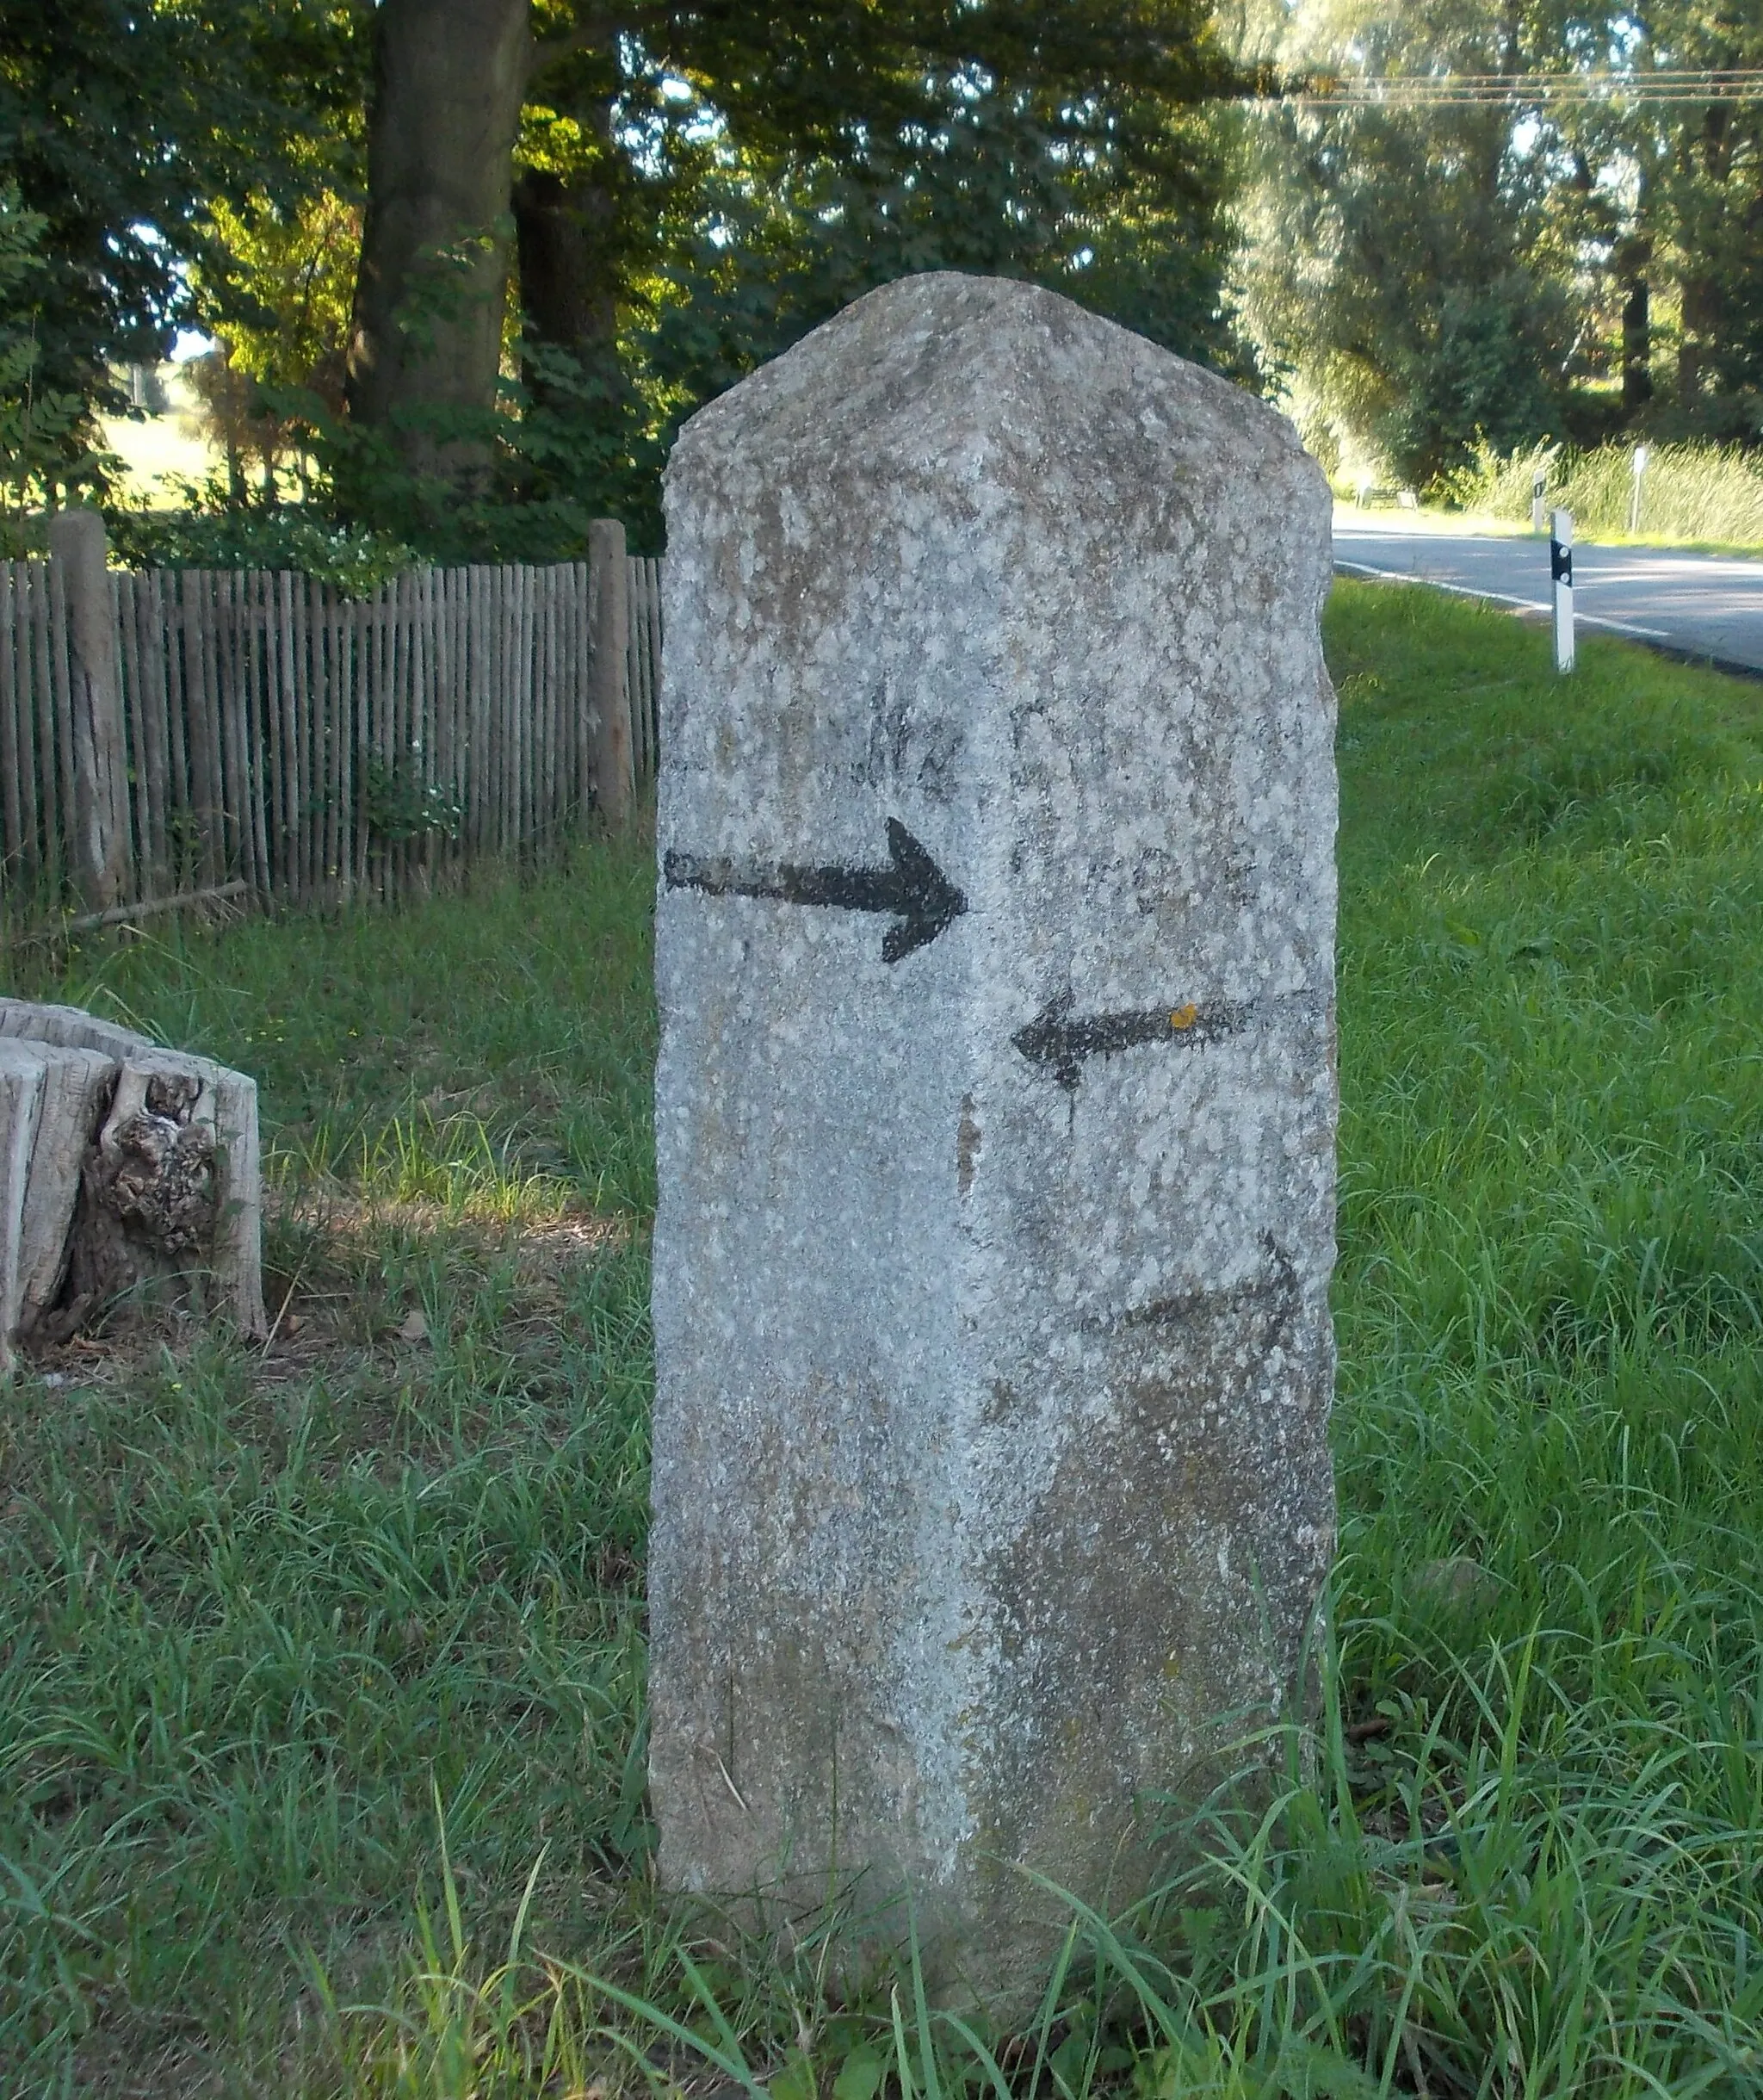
{"points": [[279, 276], [121, 124], [1115, 199], [586, 447], [1060, 143], [1405, 267], [217, 535], [399, 805], [1699, 206], [1429, 278], [42, 432], [720, 181]]}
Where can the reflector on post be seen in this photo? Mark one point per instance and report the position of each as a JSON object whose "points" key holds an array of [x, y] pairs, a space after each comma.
{"points": [[1561, 571]]}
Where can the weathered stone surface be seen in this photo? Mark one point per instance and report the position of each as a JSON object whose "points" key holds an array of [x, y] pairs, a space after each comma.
{"points": [[139, 1162], [994, 1114]]}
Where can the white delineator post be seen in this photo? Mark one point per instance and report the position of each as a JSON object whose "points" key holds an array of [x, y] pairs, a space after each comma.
{"points": [[1639, 466], [1539, 494], [994, 1119], [1561, 572]]}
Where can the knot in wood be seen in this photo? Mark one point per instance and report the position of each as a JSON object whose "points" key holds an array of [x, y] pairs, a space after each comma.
{"points": [[162, 1183], [173, 1094]]}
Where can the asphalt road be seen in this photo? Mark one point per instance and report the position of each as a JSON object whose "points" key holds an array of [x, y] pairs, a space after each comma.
{"points": [[1707, 606]]}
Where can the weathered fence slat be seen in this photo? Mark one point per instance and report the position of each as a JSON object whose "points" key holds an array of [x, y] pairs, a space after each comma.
{"points": [[310, 722], [634, 660], [211, 805], [544, 816], [655, 663], [529, 709], [35, 708], [153, 643], [504, 587], [370, 617], [193, 844], [234, 746], [54, 696], [177, 797], [215, 642], [219, 616], [336, 733], [258, 687], [407, 738], [11, 761], [442, 762], [283, 700], [121, 594], [422, 725]]}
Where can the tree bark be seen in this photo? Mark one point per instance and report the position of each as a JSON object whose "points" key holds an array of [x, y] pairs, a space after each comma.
{"points": [[1632, 259], [1701, 318], [450, 76], [568, 280]]}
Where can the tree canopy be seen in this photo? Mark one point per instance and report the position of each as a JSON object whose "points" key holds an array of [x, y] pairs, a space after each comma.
{"points": [[660, 197], [1541, 262], [470, 261]]}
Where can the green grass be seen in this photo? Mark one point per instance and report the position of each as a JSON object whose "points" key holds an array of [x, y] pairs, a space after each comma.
{"points": [[1696, 495], [321, 1668]]}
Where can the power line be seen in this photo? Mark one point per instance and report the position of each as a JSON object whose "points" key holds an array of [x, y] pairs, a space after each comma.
{"points": [[1664, 84]]}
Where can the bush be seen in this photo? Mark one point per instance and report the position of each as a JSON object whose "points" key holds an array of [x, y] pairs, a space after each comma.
{"points": [[353, 559]]}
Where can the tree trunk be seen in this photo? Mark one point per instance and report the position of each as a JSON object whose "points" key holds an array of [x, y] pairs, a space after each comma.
{"points": [[568, 282], [1701, 327], [425, 345], [1632, 258]]}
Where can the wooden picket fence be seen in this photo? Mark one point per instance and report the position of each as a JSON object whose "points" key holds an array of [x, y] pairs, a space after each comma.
{"points": [[289, 743], [643, 678]]}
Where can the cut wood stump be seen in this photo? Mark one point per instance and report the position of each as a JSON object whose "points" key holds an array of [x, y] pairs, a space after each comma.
{"points": [[128, 1173]]}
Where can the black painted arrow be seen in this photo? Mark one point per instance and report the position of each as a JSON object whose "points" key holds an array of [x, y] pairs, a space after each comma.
{"points": [[913, 887], [1060, 1045]]}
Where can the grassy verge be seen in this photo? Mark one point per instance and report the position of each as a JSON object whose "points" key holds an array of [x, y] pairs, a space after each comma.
{"points": [[320, 1668], [263, 1611], [1701, 496]]}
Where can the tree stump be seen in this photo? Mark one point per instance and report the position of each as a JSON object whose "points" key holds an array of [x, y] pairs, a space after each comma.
{"points": [[127, 1172]]}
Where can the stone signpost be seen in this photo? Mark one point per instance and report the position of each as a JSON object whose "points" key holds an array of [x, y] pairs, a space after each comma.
{"points": [[995, 1117]]}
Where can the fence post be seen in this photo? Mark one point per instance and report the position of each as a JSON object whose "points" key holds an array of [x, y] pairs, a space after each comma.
{"points": [[609, 616], [100, 852], [1561, 572]]}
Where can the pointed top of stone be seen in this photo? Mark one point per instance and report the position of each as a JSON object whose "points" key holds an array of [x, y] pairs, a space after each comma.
{"points": [[986, 367]]}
